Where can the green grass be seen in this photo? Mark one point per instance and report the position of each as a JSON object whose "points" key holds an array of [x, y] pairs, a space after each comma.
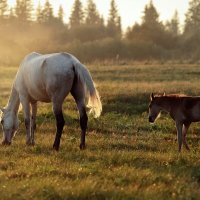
{"points": [[126, 157]]}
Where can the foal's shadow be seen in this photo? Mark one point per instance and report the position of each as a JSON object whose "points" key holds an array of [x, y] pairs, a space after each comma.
{"points": [[127, 104]]}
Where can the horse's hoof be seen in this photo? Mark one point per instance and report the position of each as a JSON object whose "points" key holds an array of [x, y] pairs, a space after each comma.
{"points": [[55, 147], [82, 146], [6, 143]]}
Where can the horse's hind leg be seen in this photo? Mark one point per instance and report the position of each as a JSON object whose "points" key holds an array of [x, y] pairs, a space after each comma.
{"points": [[83, 122], [79, 96], [185, 128], [60, 122]]}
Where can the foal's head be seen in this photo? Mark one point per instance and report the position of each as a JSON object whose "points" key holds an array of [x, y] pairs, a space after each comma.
{"points": [[10, 123], [154, 108]]}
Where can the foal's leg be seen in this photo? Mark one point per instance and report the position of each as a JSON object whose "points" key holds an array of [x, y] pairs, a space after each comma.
{"points": [[26, 110], [185, 128], [33, 121], [60, 122], [179, 127]]}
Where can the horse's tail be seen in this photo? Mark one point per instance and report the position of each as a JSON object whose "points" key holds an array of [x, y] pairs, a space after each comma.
{"points": [[92, 98]]}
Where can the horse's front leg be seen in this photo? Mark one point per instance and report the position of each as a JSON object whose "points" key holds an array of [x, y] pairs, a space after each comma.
{"points": [[33, 121], [60, 122], [26, 110], [179, 127]]}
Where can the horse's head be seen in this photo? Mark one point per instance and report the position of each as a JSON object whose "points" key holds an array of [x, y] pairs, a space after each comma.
{"points": [[10, 123], [154, 108]]}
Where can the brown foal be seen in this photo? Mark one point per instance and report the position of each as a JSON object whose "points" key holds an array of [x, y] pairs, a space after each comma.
{"points": [[183, 109]]}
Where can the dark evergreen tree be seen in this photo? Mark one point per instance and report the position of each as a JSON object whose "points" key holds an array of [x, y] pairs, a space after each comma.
{"points": [[3, 8], [61, 14], [119, 26], [11, 16], [191, 34], [151, 30], [77, 15], [93, 27], [102, 21], [23, 10], [47, 12], [151, 16], [39, 14], [92, 16], [114, 21], [11, 13], [134, 33], [150, 27], [173, 25], [192, 22]]}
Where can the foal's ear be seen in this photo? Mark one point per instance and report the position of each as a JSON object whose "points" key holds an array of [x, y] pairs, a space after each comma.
{"points": [[152, 96]]}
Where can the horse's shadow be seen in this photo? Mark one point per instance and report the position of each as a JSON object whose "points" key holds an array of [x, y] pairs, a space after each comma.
{"points": [[135, 147]]}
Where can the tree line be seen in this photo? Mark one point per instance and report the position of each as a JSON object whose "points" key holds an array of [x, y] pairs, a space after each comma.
{"points": [[91, 38]]}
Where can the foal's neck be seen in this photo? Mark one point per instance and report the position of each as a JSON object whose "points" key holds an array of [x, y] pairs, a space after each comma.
{"points": [[13, 102], [165, 104]]}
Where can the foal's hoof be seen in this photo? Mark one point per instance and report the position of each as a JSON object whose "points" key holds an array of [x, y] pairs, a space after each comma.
{"points": [[6, 143], [82, 146], [187, 148]]}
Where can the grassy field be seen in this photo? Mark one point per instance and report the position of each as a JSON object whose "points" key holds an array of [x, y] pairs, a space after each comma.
{"points": [[126, 157]]}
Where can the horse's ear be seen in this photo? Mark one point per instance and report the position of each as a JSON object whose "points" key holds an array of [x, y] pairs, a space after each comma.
{"points": [[152, 96]]}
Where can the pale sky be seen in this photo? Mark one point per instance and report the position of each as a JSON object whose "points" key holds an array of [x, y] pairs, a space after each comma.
{"points": [[130, 11]]}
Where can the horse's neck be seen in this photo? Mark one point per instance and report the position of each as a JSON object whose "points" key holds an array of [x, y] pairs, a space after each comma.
{"points": [[13, 102]]}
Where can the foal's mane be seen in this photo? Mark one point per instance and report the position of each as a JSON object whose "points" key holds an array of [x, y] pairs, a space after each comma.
{"points": [[171, 95]]}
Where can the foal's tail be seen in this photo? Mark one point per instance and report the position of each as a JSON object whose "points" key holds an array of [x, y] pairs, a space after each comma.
{"points": [[93, 101]]}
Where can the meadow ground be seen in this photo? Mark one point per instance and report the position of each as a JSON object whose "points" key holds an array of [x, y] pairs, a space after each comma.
{"points": [[126, 157]]}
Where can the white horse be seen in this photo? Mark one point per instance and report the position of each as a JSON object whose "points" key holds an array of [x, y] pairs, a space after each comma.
{"points": [[49, 78]]}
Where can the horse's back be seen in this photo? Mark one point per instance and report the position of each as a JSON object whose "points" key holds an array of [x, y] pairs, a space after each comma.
{"points": [[43, 75], [53, 60], [55, 63]]}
